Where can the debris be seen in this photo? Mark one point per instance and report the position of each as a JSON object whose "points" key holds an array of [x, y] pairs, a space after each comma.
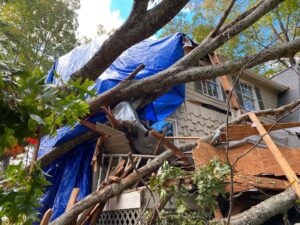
{"points": [[256, 162], [283, 163], [46, 218], [73, 197]]}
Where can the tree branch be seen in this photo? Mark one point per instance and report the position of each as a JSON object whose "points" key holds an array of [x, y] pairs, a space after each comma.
{"points": [[172, 76], [265, 210], [140, 25], [208, 46], [239, 18], [115, 189], [222, 20]]}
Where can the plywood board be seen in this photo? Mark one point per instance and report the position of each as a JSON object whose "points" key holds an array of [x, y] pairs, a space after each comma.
{"points": [[241, 131], [107, 129], [257, 161]]}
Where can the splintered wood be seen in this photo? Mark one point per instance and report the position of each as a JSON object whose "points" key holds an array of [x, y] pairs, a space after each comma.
{"points": [[258, 161], [249, 162], [241, 131], [281, 160]]}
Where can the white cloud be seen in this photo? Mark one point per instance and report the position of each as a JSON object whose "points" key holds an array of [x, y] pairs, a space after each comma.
{"points": [[95, 12]]}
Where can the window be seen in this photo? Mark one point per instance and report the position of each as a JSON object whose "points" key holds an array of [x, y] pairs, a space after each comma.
{"points": [[169, 123], [209, 87], [249, 96]]}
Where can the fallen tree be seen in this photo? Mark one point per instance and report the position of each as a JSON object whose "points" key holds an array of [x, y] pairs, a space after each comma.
{"points": [[260, 213], [115, 189], [143, 23]]}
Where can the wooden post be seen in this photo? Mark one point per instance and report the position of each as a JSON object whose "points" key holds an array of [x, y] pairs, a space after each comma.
{"points": [[287, 169], [46, 218]]}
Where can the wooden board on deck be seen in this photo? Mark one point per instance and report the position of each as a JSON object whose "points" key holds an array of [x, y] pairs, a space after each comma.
{"points": [[241, 131], [256, 162], [116, 142]]}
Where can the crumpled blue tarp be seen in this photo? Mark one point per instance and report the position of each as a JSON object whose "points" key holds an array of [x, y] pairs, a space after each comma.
{"points": [[73, 169]]}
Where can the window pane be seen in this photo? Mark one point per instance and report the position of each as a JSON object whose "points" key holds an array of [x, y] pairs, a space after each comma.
{"points": [[159, 126]]}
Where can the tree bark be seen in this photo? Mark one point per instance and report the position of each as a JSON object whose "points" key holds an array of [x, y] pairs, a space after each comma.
{"points": [[265, 210], [116, 188], [141, 24], [160, 82]]}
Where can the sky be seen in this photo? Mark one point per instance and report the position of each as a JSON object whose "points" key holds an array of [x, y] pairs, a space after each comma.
{"points": [[109, 13]]}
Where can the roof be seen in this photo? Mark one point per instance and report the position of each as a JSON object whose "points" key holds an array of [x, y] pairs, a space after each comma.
{"points": [[281, 72], [267, 81]]}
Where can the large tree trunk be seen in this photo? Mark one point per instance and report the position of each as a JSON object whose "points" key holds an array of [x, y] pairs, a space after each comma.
{"points": [[159, 83], [141, 24], [258, 214]]}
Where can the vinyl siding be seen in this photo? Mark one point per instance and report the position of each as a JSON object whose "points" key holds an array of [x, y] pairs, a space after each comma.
{"points": [[289, 78], [194, 118]]}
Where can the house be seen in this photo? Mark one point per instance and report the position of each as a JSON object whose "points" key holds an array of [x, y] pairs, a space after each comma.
{"points": [[195, 109], [291, 78], [202, 112], [204, 108]]}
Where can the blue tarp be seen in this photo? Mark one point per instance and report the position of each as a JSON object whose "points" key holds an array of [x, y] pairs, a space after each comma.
{"points": [[73, 169]]}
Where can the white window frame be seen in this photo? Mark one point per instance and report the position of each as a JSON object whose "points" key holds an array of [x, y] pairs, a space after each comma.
{"points": [[256, 105], [219, 90]]}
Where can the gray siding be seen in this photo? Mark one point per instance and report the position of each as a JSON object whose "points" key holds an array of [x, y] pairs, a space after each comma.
{"points": [[291, 78], [193, 118]]}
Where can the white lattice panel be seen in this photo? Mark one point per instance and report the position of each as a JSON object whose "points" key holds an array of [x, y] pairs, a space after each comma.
{"points": [[120, 217]]}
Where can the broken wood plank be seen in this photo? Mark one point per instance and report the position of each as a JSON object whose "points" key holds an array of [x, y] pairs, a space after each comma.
{"points": [[107, 129], [113, 122], [114, 179], [46, 218], [247, 182], [98, 146], [240, 131], [182, 138], [218, 213], [287, 169], [92, 127], [73, 197], [157, 148], [256, 162], [170, 146]]}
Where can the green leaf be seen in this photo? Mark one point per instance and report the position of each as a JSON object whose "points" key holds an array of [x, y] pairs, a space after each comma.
{"points": [[38, 119]]}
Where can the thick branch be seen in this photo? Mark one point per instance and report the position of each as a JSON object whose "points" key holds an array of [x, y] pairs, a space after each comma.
{"points": [[172, 76], [239, 18], [265, 210], [140, 25], [116, 188], [222, 20], [208, 45]]}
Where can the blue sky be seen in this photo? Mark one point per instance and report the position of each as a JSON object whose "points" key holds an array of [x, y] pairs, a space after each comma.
{"points": [[124, 6], [109, 13]]}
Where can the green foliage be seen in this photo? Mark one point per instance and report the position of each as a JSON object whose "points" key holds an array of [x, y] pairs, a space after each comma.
{"points": [[19, 195], [35, 32], [26, 103], [202, 16], [209, 181]]}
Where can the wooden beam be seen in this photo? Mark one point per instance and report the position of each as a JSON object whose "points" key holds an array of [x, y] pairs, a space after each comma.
{"points": [[227, 86], [182, 138], [46, 218], [73, 197], [287, 169], [157, 148], [170, 146], [240, 131]]}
